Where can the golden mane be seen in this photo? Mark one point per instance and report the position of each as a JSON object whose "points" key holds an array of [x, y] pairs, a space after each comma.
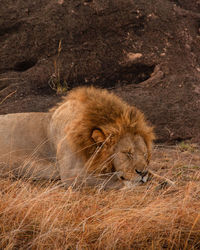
{"points": [[107, 112]]}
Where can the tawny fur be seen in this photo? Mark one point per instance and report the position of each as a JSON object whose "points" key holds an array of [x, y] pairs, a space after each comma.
{"points": [[112, 115], [92, 131]]}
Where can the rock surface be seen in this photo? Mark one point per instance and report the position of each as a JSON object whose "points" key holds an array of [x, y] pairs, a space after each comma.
{"points": [[145, 51]]}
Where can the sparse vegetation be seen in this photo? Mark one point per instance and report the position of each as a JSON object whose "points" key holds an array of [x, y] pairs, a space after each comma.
{"points": [[185, 146], [45, 216], [55, 81]]}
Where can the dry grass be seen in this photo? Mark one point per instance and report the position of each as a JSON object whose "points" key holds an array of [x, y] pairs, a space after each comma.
{"points": [[45, 216], [55, 82]]}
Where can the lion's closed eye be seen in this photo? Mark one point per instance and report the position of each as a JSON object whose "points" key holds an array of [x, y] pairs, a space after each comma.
{"points": [[129, 154]]}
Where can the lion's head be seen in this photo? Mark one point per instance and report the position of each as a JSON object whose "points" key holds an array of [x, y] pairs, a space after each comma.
{"points": [[128, 157], [109, 134]]}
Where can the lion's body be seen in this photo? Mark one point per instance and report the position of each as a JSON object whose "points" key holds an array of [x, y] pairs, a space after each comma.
{"points": [[25, 140], [86, 135]]}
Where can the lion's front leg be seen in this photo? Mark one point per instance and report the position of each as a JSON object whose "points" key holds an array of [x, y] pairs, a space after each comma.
{"points": [[73, 172], [70, 166], [38, 169], [104, 183], [100, 182], [34, 168]]}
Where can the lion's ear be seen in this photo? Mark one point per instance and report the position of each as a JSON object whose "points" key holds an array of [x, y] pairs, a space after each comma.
{"points": [[98, 136]]}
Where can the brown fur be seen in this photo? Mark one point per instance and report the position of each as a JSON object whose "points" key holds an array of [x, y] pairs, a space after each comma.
{"points": [[114, 117], [91, 132]]}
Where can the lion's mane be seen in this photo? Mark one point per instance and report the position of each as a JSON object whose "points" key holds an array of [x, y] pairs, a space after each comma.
{"points": [[103, 110]]}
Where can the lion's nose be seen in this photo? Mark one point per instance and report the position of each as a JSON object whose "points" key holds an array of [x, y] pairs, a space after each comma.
{"points": [[144, 175]]}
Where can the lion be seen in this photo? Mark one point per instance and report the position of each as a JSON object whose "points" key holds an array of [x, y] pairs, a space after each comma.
{"points": [[91, 138]]}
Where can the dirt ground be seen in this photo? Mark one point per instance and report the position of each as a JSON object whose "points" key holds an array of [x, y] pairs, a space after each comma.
{"points": [[181, 163]]}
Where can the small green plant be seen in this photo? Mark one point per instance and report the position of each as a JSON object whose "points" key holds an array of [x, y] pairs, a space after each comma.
{"points": [[184, 146]]}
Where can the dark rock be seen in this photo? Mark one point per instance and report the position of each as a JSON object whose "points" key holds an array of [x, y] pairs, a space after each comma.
{"points": [[146, 51]]}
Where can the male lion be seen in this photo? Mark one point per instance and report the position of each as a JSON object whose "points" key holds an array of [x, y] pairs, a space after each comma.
{"points": [[92, 137]]}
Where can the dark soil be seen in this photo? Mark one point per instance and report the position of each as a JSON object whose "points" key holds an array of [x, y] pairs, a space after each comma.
{"points": [[145, 51]]}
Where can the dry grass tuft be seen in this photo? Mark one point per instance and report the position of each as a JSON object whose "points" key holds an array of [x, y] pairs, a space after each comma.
{"points": [[45, 216]]}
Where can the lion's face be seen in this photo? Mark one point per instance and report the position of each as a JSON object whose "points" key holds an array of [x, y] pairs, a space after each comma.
{"points": [[131, 158]]}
